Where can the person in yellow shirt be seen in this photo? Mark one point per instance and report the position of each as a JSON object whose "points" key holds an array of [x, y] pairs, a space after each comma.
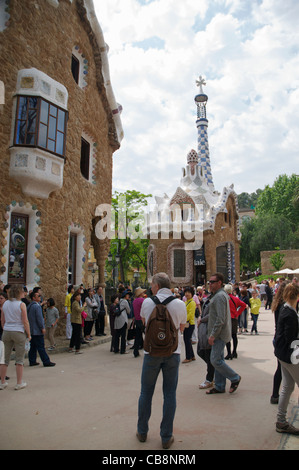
{"points": [[188, 331], [255, 305], [68, 310]]}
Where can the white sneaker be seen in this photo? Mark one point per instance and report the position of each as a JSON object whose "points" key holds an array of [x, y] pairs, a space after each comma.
{"points": [[3, 386], [20, 386], [206, 384]]}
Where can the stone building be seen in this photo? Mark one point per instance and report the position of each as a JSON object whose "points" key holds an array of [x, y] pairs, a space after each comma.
{"points": [[246, 215], [59, 127], [195, 232]]}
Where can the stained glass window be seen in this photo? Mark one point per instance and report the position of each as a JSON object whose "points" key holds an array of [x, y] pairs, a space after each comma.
{"points": [[18, 248]]}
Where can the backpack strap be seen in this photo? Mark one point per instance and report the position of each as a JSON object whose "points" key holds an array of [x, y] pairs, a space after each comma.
{"points": [[232, 301], [169, 299], [165, 302]]}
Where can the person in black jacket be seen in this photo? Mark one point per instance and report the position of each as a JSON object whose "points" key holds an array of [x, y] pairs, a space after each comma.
{"points": [[269, 295], [286, 342], [276, 307]]}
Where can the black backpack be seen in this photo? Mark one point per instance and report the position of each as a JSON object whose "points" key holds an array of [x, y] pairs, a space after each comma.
{"points": [[161, 335], [117, 310]]}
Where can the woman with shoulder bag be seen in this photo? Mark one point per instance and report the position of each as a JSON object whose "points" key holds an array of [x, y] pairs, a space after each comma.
{"points": [[121, 322], [114, 311], [188, 331], [76, 320]]}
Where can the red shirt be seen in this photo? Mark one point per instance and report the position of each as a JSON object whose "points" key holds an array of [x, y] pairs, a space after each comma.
{"points": [[236, 306]]}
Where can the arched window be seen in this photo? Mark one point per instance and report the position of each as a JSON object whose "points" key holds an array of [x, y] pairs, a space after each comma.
{"points": [[21, 255], [18, 248]]}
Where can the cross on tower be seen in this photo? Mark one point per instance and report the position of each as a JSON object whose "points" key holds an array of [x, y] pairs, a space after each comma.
{"points": [[200, 83]]}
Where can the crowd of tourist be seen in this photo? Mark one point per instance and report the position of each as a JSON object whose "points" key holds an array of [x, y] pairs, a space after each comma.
{"points": [[28, 318]]}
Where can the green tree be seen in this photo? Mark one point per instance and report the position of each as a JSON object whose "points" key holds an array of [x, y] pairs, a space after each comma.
{"points": [[265, 233], [277, 260], [295, 200], [248, 201], [276, 222], [281, 199], [130, 243]]}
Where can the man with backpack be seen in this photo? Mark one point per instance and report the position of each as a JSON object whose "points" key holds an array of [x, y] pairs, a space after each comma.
{"points": [[164, 317]]}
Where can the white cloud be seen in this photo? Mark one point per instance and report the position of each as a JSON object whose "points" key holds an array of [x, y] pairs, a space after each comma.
{"points": [[248, 53]]}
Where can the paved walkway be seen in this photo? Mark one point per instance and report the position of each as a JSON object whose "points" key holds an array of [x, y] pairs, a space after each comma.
{"points": [[89, 401]]}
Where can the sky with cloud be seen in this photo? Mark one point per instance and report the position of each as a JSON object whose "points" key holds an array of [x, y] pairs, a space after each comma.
{"points": [[247, 51]]}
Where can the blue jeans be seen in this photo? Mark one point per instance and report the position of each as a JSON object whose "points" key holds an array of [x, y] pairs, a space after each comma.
{"points": [[242, 319], [222, 370], [188, 341], [150, 371], [254, 324]]}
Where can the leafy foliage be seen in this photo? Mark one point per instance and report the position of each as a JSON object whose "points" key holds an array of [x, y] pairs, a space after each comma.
{"points": [[276, 223], [248, 201], [130, 244], [281, 199], [277, 260]]}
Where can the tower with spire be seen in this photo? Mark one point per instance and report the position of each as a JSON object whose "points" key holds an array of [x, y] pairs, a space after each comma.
{"points": [[196, 212], [202, 139]]}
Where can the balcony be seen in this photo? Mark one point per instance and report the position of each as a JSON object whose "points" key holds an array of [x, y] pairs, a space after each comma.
{"points": [[38, 135]]}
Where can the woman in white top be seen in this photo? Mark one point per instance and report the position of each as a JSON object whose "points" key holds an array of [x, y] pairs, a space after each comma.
{"points": [[15, 326]]}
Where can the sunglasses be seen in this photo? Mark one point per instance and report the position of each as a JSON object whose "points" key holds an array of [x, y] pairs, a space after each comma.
{"points": [[212, 282]]}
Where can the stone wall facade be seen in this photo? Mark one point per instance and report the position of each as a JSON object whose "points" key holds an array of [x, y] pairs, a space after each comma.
{"points": [[42, 35], [160, 258], [291, 260]]}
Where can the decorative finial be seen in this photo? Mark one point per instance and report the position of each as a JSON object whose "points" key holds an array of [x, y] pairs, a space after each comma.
{"points": [[192, 160], [200, 83], [192, 157]]}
